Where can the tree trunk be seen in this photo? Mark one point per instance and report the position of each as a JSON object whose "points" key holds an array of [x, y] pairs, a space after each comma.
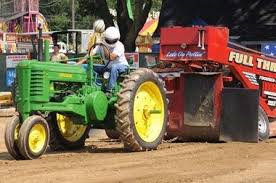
{"points": [[102, 10], [124, 22], [142, 8]]}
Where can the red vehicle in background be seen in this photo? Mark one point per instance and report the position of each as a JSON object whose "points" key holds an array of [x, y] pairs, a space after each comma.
{"points": [[217, 90]]}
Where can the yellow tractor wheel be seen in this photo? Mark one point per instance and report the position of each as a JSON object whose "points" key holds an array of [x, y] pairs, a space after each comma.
{"points": [[66, 134], [11, 137], [33, 137], [141, 111]]}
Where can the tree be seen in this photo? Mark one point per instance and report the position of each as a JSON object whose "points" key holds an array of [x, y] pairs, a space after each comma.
{"points": [[129, 27], [58, 13]]}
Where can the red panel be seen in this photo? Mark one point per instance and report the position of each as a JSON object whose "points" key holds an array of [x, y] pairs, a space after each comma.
{"points": [[181, 43], [255, 72], [176, 125], [175, 88], [178, 35], [217, 100]]}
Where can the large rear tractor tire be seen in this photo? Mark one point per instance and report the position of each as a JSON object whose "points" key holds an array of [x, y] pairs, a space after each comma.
{"points": [[141, 111], [65, 134], [263, 125], [33, 137], [11, 137]]}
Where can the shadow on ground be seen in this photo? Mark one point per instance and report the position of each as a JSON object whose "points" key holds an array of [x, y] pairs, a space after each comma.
{"points": [[5, 156]]}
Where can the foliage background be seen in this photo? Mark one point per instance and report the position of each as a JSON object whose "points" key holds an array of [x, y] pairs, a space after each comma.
{"points": [[58, 13]]}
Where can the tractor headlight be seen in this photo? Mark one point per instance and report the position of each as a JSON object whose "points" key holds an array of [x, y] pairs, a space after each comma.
{"points": [[106, 75]]}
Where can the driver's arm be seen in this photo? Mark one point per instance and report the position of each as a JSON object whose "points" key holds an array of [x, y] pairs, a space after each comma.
{"points": [[82, 61], [93, 52], [110, 55]]}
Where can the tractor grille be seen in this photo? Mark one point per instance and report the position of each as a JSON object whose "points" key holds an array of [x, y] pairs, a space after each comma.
{"points": [[36, 85]]}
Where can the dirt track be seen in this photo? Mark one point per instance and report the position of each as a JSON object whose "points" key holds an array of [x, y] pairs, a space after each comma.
{"points": [[105, 161]]}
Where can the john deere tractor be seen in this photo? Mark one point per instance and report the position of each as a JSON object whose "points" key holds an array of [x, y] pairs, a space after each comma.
{"points": [[57, 104]]}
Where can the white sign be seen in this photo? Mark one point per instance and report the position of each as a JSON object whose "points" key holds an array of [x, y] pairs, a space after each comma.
{"points": [[13, 60], [173, 54]]}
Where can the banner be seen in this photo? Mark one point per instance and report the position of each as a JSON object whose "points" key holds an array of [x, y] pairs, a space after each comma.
{"points": [[13, 60], [133, 59]]}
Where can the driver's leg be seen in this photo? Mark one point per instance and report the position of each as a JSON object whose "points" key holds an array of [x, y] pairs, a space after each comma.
{"points": [[98, 68], [114, 73]]}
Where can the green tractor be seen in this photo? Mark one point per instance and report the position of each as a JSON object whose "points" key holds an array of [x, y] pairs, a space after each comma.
{"points": [[57, 105]]}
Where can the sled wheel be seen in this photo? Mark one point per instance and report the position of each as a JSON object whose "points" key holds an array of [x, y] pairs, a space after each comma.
{"points": [[33, 137], [65, 134], [141, 111], [263, 125], [11, 137]]}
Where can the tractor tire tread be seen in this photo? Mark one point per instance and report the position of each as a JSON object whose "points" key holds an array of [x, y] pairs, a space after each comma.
{"points": [[23, 137], [10, 143]]}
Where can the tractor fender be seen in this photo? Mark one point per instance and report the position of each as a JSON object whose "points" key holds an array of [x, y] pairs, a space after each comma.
{"points": [[96, 105]]}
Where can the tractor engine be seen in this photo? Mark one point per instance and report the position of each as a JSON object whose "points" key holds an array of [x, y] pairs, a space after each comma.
{"points": [[63, 89], [45, 86]]}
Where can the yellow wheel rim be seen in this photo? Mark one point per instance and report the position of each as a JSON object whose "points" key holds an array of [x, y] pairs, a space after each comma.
{"points": [[68, 129], [148, 111], [37, 138]]}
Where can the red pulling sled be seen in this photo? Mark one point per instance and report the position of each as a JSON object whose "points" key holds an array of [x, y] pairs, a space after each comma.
{"points": [[218, 90]]}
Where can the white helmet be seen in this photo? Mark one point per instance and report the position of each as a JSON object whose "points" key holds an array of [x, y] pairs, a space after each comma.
{"points": [[111, 36], [99, 26]]}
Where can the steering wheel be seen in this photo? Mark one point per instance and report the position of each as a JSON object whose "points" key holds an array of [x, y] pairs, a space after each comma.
{"points": [[103, 45]]}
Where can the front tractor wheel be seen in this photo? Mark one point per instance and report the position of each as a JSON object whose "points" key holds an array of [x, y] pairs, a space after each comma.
{"points": [[141, 111], [65, 134], [33, 137], [11, 137]]}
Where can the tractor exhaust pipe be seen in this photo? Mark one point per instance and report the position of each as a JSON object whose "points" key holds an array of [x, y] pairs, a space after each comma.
{"points": [[40, 43]]}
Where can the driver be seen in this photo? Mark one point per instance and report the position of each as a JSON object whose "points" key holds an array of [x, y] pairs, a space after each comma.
{"points": [[113, 53]]}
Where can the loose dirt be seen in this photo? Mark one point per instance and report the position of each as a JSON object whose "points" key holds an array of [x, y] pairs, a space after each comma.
{"points": [[104, 160]]}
